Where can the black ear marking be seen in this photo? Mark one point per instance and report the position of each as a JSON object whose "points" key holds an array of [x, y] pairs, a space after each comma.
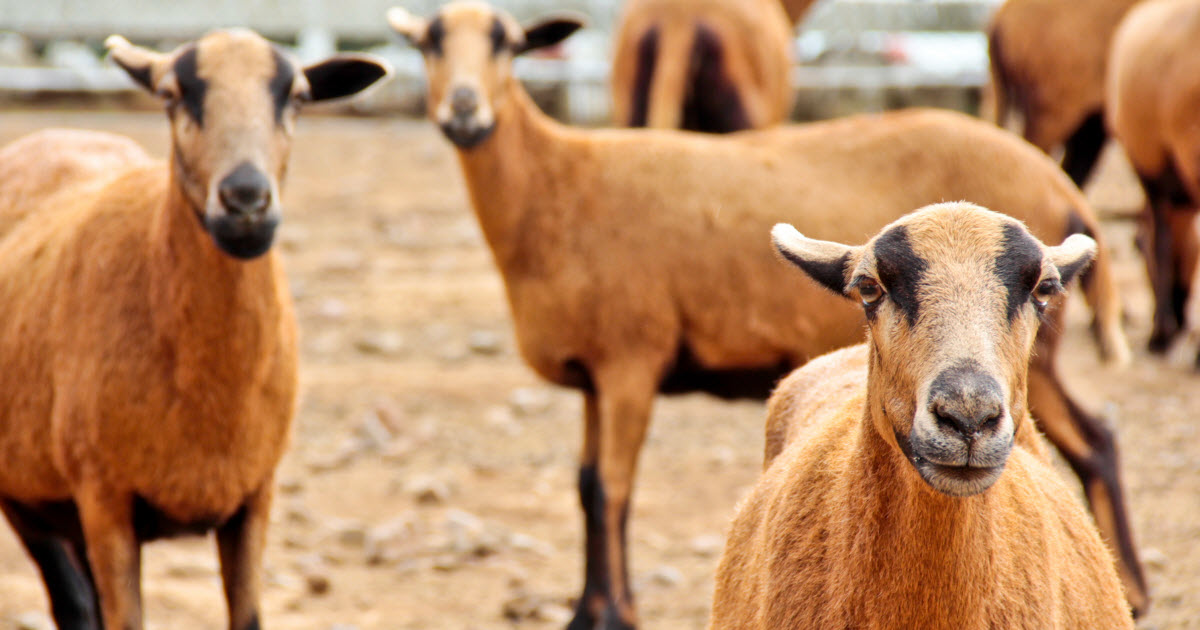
{"points": [[434, 35], [1018, 267], [342, 75], [547, 33], [901, 271], [140, 75], [499, 36], [830, 274], [192, 88], [1067, 273]]}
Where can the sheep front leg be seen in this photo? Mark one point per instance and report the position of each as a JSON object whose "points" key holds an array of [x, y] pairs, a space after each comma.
{"points": [[240, 542], [1091, 450], [68, 583], [624, 396], [594, 599], [114, 553]]}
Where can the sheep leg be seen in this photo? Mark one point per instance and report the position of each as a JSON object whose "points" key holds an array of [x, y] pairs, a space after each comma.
{"points": [[114, 554], [68, 584], [240, 543], [625, 396], [1091, 450], [1082, 150], [595, 595]]}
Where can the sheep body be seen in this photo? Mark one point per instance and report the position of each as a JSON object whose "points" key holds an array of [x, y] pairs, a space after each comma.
{"points": [[702, 65]]}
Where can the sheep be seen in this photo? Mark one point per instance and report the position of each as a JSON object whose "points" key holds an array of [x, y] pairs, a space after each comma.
{"points": [[1153, 93], [1048, 59], [702, 65], [911, 490], [147, 339], [632, 261]]}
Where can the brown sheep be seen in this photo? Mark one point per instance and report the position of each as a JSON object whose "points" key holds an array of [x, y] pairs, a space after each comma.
{"points": [[633, 259], [147, 341], [1154, 98], [912, 490], [1048, 59], [702, 65]]}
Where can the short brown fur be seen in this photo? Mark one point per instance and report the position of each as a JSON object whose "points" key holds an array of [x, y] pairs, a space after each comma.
{"points": [[756, 40], [620, 249], [1154, 98], [147, 378], [841, 532]]}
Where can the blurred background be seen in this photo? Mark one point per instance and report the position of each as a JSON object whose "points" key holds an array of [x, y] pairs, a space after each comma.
{"points": [[850, 55]]}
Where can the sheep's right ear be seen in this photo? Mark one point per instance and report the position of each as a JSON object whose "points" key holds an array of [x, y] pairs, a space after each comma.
{"points": [[824, 261], [141, 64], [409, 26]]}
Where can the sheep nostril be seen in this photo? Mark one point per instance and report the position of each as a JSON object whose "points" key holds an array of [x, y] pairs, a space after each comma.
{"points": [[463, 101]]}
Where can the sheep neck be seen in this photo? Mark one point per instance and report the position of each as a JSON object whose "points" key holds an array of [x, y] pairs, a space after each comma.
{"points": [[511, 175], [208, 306]]}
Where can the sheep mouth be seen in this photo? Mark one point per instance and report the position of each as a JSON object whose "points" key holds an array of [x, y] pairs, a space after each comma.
{"points": [[957, 481], [466, 133], [241, 237]]}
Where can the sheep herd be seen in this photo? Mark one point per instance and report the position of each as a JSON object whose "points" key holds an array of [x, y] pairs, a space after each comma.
{"points": [[893, 284]]}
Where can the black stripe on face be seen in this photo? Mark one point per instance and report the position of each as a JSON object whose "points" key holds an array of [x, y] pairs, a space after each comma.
{"points": [[434, 36], [901, 271], [192, 88], [1018, 267], [280, 85]]}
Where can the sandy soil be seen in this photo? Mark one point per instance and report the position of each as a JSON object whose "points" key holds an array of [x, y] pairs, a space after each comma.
{"points": [[430, 482]]}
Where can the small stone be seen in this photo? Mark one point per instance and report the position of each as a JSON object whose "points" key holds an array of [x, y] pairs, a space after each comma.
{"points": [[349, 532], [33, 621], [290, 485], [343, 260], [315, 572], [382, 342], [298, 513], [554, 613], [525, 542], [707, 545], [427, 489], [190, 570], [1153, 558], [666, 575], [529, 401], [484, 342], [332, 309], [343, 455], [390, 414], [398, 449], [374, 432]]}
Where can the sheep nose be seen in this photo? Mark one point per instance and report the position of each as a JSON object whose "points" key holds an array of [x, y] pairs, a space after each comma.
{"points": [[463, 101], [966, 401], [245, 191]]}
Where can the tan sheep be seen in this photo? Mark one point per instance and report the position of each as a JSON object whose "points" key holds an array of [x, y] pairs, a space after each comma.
{"points": [[147, 341], [1048, 60], [702, 65], [912, 490], [1154, 110], [633, 259]]}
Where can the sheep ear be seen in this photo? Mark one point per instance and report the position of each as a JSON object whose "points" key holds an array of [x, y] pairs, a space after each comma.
{"points": [[548, 33], [824, 261], [1073, 256], [141, 64], [343, 75], [409, 26]]}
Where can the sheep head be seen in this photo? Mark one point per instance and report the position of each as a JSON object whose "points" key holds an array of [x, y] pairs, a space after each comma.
{"points": [[232, 99], [468, 49], [953, 295]]}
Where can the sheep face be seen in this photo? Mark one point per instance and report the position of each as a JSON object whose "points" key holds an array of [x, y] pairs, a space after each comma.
{"points": [[232, 99], [953, 295], [468, 49]]}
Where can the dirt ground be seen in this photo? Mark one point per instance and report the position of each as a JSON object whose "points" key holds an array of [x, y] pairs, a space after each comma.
{"points": [[431, 477]]}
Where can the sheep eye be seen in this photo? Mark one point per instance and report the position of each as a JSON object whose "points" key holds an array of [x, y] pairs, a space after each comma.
{"points": [[1045, 291], [869, 291]]}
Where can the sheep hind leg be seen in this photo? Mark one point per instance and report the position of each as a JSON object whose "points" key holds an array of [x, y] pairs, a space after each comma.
{"points": [[1091, 450], [114, 553], [240, 544], [1082, 150], [64, 570]]}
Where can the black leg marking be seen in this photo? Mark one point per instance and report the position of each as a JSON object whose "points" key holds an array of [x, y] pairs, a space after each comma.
{"points": [[1082, 149], [596, 580], [73, 600], [253, 625], [647, 56], [713, 103]]}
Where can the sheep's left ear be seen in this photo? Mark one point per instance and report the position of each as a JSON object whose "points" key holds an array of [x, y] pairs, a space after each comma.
{"points": [[407, 25], [343, 75], [1072, 257], [548, 33], [824, 261]]}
